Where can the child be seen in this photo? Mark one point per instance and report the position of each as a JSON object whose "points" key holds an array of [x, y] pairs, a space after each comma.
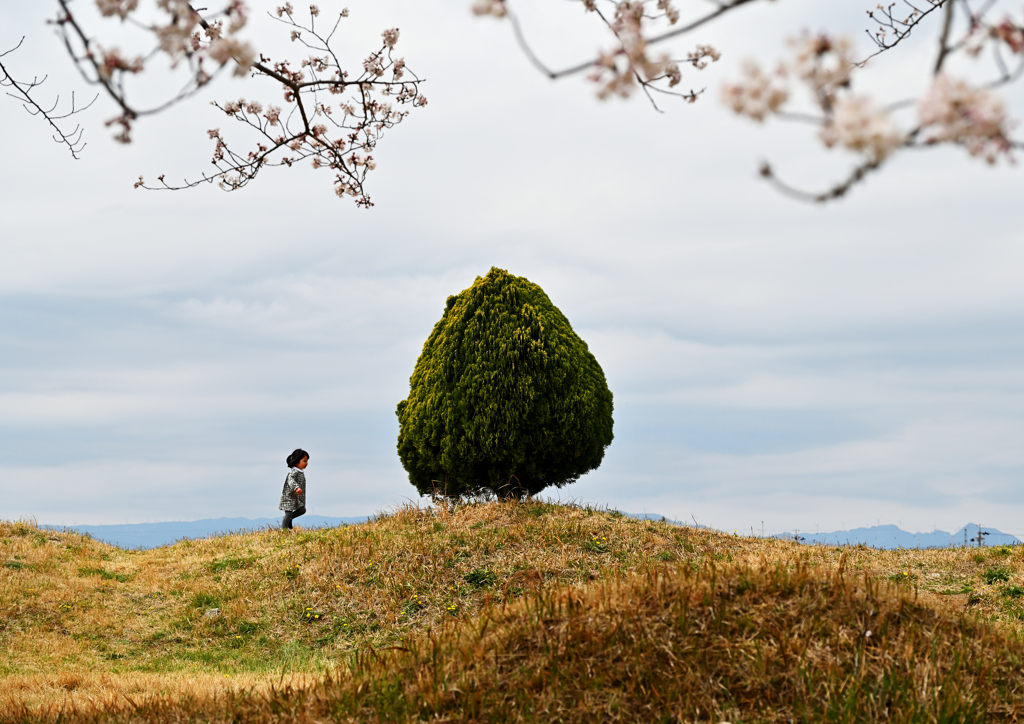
{"points": [[293, 496]]}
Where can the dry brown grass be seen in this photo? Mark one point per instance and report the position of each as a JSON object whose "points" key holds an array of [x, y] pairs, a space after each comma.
{"points": [[87, 625]]}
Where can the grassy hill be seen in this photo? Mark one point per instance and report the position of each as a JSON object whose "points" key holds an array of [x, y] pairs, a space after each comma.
{"points": [[505, 612]]}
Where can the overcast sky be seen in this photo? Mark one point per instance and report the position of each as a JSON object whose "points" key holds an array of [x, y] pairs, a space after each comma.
{"points": [[773, 363]]}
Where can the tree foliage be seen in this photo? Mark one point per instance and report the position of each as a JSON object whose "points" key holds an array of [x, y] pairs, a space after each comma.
{"points": [[505, 397]]}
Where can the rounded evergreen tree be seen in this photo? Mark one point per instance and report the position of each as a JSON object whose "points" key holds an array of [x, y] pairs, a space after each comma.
{"points": [[505, 397]]}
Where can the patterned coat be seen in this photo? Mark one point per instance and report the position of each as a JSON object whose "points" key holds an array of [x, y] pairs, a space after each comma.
{"points": [[290, 500]]}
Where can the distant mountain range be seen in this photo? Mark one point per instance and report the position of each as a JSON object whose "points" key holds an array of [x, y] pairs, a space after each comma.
{"points": [[888, 537]]}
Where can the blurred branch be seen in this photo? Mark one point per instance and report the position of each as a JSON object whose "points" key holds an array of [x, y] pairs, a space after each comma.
{"points": [[651, 40], [835, 192]]}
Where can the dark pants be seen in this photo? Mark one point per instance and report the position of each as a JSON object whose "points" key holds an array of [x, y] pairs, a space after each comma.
{"points": [[290, 515]]}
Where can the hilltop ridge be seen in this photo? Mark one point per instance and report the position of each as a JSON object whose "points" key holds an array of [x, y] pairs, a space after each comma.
{"points": [[90, 624], [155, 535]]}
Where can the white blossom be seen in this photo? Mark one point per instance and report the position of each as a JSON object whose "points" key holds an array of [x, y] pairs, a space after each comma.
{"points": [[121, 8], [1011, 34]]}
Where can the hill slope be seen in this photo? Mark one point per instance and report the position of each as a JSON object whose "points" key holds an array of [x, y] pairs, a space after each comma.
{"points": [[87, 625]]}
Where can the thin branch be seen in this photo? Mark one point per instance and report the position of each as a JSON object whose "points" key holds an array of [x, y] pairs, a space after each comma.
{"points": [[901, 29], [71, 139]]}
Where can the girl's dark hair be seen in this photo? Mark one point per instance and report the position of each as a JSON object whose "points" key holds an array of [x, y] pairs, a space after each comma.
{"points": [[296, 457]]}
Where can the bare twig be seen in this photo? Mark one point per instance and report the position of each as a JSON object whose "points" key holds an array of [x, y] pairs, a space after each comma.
{"points": [[892, 31], [23, 92]]}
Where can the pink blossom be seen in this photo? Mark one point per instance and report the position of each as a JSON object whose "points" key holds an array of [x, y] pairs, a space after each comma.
{"points": [[121, 8], [857, 125], [113, 61], [373, 65], [954, 112], [239, 15], [757, 94], [390, 37], [822, 61], [227, 49], [490, 7], [1010, 34], [671, 13]]}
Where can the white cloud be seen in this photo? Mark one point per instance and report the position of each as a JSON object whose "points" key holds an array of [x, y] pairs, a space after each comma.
{"points": [[770, 361]]}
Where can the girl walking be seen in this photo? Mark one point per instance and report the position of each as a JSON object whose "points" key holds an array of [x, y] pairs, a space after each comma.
{"points": [[293, 496]]}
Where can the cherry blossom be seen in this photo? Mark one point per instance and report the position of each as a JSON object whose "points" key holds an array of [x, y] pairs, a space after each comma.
{"points": [[857, 125], [757, 95], [954, 112]]}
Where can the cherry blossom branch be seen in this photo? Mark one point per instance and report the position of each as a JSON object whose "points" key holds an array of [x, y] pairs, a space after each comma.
{"points": [[337, 134], [950, 111], [629, 64], [109, 69], [655, 39], [23, 92], [331, 116]]}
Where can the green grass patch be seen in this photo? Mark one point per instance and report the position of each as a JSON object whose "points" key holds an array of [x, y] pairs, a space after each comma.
{"points": [[230, 563], [596, 544], [481, 578], [106, 575], [205, 601], [996, 574]]}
